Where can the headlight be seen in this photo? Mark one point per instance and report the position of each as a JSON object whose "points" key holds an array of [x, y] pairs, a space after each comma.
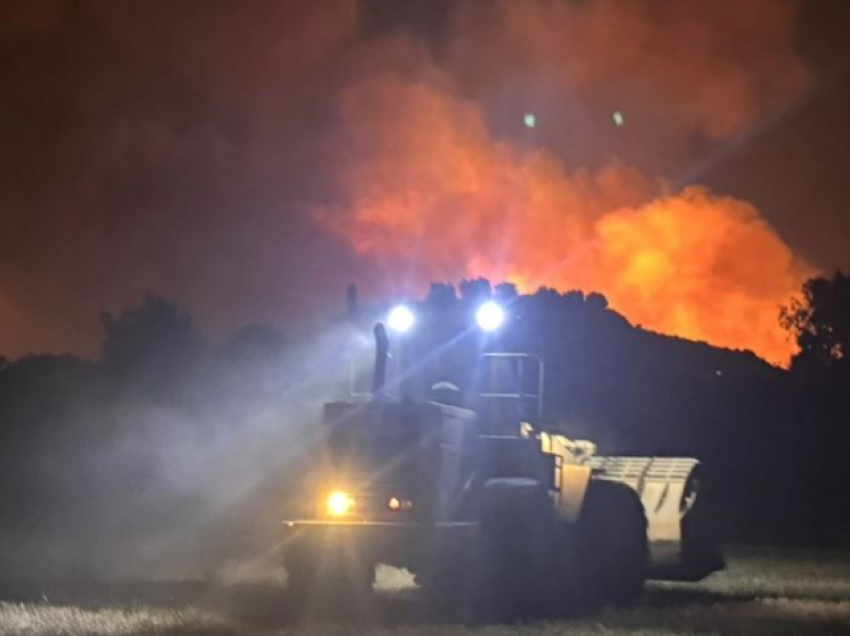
{"points": [[490, 316], [401, 319], [339, 504]]}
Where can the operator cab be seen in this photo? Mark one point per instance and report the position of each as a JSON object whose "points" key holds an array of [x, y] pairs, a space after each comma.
{"points": [[447, 356], [439, 395]]}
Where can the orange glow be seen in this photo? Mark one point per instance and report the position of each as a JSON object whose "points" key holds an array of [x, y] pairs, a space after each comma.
{"points": [[426, 186]]}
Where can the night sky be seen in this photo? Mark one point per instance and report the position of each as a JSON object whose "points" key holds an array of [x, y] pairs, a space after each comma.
{"points": [[215, 152]]}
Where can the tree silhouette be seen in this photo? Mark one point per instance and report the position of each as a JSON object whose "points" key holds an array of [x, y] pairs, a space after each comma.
{"points": [[153, 345], [820, 321], [441, 295], [506, 292], [475, 289], [596, 301]]}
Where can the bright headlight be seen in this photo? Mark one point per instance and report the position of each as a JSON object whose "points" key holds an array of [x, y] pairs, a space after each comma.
{"points": [[339, 504], [401, 319], [490, 316]]}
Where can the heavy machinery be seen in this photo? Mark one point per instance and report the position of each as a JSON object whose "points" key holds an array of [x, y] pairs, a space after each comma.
{"points": [[443, 468]]}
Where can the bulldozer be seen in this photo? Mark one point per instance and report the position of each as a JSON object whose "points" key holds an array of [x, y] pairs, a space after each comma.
{"points": [[443, 466]]}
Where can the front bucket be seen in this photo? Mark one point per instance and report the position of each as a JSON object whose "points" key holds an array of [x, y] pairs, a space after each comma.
{"points": [[681, 543]]}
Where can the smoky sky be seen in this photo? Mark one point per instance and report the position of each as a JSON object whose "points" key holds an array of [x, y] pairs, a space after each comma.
{"points": [[184, 148], [165, 148]]}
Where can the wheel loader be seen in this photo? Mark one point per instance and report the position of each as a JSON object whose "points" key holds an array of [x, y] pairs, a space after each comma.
{"points": [[443, 468]]}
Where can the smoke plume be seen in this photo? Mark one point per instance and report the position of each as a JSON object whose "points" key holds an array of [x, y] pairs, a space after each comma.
{"points": [[435, 182], [180, 148]]}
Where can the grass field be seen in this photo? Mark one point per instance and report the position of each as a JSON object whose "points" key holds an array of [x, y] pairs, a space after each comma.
{"points": [[776, 592]]}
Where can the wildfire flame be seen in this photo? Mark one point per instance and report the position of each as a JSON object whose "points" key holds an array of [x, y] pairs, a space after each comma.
{"points": [[430, 192]]}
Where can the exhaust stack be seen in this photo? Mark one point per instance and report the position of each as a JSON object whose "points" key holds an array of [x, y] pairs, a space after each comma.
{"points": [[382, 353]]}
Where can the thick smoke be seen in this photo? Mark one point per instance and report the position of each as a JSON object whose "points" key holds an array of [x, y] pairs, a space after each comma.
{"points": [[179, 149], [426, 177], [166, 148], [679, 73]]}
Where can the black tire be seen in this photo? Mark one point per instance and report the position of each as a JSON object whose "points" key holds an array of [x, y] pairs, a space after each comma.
{"points": [[513, 572], [701, 554], [612, 550], [449, 581]]}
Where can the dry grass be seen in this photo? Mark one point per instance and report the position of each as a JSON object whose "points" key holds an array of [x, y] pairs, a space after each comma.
{"points": [[780, 593]]}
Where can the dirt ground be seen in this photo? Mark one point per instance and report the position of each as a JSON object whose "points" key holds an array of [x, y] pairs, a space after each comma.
{"points": [[781, 592]]}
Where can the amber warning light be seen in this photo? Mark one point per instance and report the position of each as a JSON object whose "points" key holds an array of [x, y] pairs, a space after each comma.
{"points": [[339, 504]]}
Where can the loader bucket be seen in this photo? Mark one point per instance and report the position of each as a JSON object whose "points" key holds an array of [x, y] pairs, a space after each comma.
{"points": [[681, 543]]}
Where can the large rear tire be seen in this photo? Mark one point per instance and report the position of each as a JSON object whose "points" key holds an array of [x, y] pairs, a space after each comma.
{"points": [[612, 547], [451, 581], [700, 552], [514, 575]]}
